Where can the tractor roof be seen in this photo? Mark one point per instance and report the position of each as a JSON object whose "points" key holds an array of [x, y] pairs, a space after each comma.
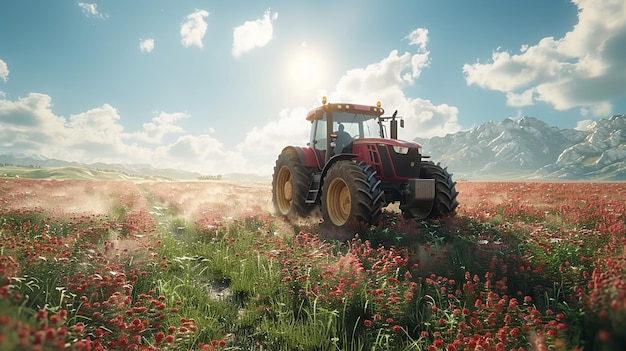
{"points": [[344, 107]]}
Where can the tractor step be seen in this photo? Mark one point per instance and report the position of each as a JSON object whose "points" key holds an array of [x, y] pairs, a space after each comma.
{"points": [[314, 189]]}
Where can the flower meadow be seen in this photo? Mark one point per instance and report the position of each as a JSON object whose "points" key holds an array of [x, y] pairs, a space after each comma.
{"points": [[121, 265]]}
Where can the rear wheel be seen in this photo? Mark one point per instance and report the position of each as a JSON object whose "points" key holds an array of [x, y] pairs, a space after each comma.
{"points": [[445, 202], [290, 185], [351, 195]]}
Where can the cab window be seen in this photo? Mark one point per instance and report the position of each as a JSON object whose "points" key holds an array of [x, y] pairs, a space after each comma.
{"points": [[319, 134]]}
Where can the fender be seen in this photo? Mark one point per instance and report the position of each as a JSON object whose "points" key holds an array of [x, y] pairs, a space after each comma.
{"points": [[305, 154], [336, 158]]}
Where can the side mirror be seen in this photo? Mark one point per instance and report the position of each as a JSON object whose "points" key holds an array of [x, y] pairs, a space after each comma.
{"points": [[401, 123]]}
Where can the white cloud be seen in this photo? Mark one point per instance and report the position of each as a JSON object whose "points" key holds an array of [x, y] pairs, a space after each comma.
{"points": [[98, 122], [262, 145], [91, 10], [585, 68], [367, 84], [385, 81], [29, 126], [203, 154], [601, 109], [193, 29], [421, 60], [146, 45], [31, 112], [418, 37], [253, 34], [583, 124], [161, 125], [519, 100], [4, 71], [96, 134]]}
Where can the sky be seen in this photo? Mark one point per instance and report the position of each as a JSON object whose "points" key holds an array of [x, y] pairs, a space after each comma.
{"points": [[217, 87]]}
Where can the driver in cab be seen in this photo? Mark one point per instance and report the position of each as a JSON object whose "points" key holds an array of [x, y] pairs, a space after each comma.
{"points": [[342, 140]]}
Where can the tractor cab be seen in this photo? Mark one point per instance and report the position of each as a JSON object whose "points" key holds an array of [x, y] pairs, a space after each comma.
{"points": [[334, 128]]}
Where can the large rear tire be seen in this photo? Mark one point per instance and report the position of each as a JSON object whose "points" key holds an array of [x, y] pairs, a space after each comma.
{"points": [[445, 202], [290, 185], [351, 195]]}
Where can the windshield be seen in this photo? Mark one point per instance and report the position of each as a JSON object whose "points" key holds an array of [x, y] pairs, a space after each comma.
{"points": [[357, 125]]}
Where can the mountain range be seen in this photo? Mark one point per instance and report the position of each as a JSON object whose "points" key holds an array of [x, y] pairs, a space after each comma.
{"points": [[523, 148], [526, 148]]}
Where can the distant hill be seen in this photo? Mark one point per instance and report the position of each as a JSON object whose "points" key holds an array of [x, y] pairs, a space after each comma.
{"points": [[39, 166], [61, 173], [527, 148]]}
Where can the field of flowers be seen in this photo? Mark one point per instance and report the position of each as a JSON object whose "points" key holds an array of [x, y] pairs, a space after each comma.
{"points": [[121, 265]]}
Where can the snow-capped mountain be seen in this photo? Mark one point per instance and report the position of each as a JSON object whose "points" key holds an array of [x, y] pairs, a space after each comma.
{"points": [[527, 148]]}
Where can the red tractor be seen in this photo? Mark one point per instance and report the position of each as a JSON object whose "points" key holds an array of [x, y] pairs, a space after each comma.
{"points": [[352, 170]]}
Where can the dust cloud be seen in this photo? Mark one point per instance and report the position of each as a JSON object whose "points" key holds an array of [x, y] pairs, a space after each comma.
{"points": [[209, 199], [66, 196]]}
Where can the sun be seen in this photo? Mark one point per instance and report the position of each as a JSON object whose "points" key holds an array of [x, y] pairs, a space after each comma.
{"points": [[306, 69]]}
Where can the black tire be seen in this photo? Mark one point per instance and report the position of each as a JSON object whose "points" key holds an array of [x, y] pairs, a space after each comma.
{"points": [[351, 195], [445, 202], [290, 185]]}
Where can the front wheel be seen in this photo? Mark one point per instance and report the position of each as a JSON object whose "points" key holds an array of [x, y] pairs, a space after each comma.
{"points": [[351, 195], [445, 202]]}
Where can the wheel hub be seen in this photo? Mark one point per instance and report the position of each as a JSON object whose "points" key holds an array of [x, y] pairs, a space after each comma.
{"points": [[284, 190], [288, 190], [344, 202], [339, 202]]}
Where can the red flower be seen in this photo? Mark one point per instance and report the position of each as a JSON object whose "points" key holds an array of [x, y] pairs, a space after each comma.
{"points": [[527, 299], [159, 337], [604, 335], [42, 314]]}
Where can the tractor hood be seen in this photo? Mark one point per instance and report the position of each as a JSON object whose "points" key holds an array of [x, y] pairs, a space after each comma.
{"points": [[391, 142]]}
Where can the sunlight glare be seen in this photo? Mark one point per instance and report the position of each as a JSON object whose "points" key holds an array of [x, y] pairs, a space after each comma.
{"points": [[305, 70]]}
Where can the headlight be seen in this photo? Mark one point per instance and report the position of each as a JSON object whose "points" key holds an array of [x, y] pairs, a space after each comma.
{"points": [[401, 150]]}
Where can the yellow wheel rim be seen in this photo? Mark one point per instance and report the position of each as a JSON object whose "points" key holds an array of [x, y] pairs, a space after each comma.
{"points": [[284, 190], [338, 202]]}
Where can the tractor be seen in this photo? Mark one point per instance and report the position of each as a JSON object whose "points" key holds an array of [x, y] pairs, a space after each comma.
{"points": [[352, 170]]}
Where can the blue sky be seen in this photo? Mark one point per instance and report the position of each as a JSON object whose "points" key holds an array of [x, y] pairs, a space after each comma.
{"points": [[221, 86]]}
